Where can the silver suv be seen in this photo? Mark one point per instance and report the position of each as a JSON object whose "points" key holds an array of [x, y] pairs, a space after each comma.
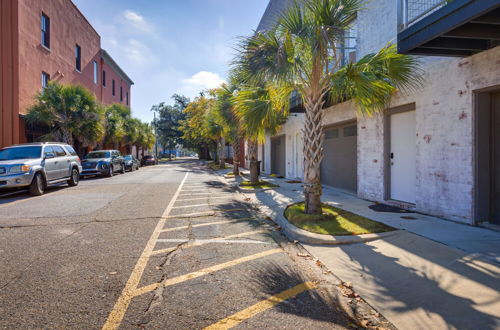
{"points": [[37, 165]]}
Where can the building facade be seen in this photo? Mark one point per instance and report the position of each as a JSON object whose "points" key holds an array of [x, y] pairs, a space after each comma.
{"points": [[45, 41], [435, 150]]}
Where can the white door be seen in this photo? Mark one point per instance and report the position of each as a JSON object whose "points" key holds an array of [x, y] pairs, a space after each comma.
{"points": [[403, 156], [299, 156]]}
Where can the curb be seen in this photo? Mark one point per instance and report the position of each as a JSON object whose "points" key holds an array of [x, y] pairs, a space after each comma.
{"points": [[243, 190], [296, 234], [303, 236]]}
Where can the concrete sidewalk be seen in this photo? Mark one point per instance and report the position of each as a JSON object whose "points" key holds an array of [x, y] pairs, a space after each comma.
{"points": [[433, 274], [473, 240]]}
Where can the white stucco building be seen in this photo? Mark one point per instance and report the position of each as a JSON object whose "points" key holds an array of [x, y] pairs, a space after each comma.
{"points": [[436, 150]]}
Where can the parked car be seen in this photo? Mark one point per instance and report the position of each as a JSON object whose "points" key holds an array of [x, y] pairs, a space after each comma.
{"points": [[149, 160], [103, 162], [38, 165], [131, 163]]}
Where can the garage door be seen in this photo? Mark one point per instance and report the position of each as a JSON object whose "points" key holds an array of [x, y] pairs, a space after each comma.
{"points": [[496, 158], [339, 165], [278, 165]]}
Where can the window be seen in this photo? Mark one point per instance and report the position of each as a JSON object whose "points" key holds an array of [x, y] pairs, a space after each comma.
{"points": [[59, 151], [349, 44], [71, 151], [45, 31], [113, 87], [126, 97], [48, 150], [332, 134], [104, 78], [96, 73], [45, 79], [351, 131], [78, 58], [121, 94]]}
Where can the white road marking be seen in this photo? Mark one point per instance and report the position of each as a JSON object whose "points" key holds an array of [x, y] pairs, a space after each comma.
{"points": [[202, 198], [207, 224], [206, 241]]}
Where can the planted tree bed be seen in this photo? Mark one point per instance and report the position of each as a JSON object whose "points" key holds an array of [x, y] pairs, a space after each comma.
{"points": [[333, 221], [259, 185], [216, 167]]}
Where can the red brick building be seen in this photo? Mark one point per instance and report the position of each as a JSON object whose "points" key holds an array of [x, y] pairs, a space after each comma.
{"points": [[44, 40]]}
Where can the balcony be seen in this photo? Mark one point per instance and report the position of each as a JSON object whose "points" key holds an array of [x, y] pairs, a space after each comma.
{"points": [[448, 28]]}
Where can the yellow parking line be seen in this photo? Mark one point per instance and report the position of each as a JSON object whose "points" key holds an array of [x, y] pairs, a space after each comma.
{"points": [[260, 307], [118, 312], [202, 272]]}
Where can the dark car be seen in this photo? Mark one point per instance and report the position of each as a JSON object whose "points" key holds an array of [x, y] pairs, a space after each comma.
{"points": [[149, 160], [131, 163], [103, 162]]}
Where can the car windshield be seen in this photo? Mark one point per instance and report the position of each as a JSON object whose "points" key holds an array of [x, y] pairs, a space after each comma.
{"points": [[127, 157], [98, 154], [20, 153]]}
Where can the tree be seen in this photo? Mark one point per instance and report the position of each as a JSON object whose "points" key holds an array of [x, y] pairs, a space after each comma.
{"points": [[229, 120], [145, 137], [70, 112], [168, 122], [116, 120], [302, 53], [194, 127], [260, 111]]}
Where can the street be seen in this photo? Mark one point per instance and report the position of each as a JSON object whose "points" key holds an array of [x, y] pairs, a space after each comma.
{"points": [[168, 246]]}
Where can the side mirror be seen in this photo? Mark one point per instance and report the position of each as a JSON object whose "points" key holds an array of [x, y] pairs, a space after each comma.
{"points": [[49, 155]]}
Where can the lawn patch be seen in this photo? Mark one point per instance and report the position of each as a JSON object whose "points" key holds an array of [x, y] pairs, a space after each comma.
{"points": [[260, 185], [333, 221], [214, 166]]}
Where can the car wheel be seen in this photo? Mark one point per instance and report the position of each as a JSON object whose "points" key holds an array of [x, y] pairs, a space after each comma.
{"points": [[37, 186], [75, 178], [110, 171]]}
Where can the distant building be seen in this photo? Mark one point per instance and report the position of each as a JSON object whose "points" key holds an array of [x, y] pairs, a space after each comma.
{"points": [[44, 41]]}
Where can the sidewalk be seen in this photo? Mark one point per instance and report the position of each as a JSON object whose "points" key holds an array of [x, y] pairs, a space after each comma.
{"points": [[431, 274]]}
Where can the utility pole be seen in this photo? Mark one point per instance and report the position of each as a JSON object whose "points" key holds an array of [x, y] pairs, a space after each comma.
{"points": [[156, 136]]}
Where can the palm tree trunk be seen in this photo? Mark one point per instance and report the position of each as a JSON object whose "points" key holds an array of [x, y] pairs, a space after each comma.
{"points": [[222, 162], [254, 164], [236, 157], [67, 136], [313, 154]]}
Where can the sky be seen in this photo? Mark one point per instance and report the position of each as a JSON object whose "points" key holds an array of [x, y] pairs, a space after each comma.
{"points": [[171, 46]]}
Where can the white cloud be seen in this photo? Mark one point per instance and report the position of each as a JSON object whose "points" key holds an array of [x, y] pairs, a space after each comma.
{"points": [[204, 80], [138, 52], [137, 21]]}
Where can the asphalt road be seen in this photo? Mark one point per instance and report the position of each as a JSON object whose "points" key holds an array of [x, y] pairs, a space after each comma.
{"points": [[166, 247]]}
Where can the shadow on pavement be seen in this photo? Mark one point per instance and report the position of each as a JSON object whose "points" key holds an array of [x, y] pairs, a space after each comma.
{"points": [[273, 279]]}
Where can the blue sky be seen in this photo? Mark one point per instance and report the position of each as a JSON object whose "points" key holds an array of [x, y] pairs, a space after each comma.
{"points": [[171, 46]]}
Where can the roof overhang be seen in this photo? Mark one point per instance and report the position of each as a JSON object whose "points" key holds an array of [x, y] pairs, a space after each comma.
{"points": [[460, 28], [111, 62]]}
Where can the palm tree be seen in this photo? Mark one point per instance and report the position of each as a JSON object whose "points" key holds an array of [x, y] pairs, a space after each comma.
{"points": [[70, 112], [260, 111], [116, 118], [302, 52], [226, 117], [132, 129]]}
